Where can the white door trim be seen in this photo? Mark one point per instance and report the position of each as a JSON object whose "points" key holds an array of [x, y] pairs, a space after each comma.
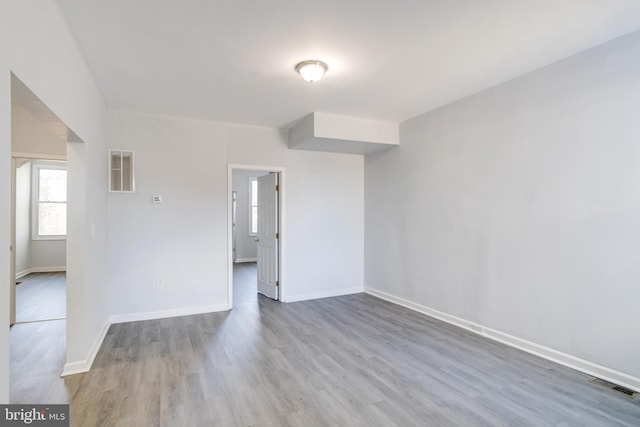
{"points": [[12, 261], [282, 226]]}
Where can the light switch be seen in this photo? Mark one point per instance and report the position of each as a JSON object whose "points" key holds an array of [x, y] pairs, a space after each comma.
{"points": [[157, 199]]}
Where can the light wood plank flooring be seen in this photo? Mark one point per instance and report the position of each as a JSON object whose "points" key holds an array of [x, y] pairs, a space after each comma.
{"points": [[37, 359], [38, 339], [245, 283], [347, 361], [41, 296]]}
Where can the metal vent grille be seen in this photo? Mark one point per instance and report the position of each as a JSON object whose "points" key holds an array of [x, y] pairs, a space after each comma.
{"points": [[615, 387]]}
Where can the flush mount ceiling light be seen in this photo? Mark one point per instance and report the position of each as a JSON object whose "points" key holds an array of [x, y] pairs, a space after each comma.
{"points": [[312, 71]]}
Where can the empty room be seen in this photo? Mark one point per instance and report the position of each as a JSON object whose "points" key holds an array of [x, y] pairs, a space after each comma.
{"points": [[336, 213]]}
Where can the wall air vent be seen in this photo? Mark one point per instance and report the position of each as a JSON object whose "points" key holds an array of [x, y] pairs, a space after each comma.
{"points": [[632, 394]]}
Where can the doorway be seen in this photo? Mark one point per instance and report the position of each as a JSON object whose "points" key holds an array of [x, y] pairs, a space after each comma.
{"points": [[256, 197], [39, 229], [38, 345]]}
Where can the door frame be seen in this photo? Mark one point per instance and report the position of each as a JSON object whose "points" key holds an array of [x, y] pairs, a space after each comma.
{"points": [[12, 259], [282, 186], [234, 208]]}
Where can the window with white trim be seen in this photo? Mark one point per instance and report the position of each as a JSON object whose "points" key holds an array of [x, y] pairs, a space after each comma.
{"points": [[253, 206], [49, 195]]}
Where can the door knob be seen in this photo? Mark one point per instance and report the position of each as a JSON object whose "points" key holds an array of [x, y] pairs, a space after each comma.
{"points": [[257, 240]]}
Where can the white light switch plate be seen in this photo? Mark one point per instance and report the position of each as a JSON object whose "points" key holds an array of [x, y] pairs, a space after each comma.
{"points": [[156, 199]]}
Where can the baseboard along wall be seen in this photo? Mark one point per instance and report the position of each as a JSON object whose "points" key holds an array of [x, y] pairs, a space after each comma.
{"points": [[326, 294], [163, 314], [40, 270], [81, 366], [561, 358]]}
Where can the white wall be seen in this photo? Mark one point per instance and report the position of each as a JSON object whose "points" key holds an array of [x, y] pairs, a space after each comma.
{"points": [[518, 208], [246, 247], [325, 224], [23, 221], [184, 239], [37, 46], [48, 254]]}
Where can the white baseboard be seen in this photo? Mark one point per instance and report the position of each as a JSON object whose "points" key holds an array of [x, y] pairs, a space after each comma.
{"points": [[22, 273], [325, 294], [162, 314], [82, 366], [241, 260], [40, 270], [73, 368], [559, 357]]}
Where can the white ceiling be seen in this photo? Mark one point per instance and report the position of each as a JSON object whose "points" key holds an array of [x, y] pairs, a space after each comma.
{"points": [[233, 60]]}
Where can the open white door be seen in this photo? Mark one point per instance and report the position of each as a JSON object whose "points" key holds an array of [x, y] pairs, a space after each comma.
{"points": [[268, 235]]}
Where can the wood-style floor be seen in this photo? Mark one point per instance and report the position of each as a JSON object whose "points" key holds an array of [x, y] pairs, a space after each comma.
{"points": [[347, 361], [41, 296], [38, 339], [37, 359]]}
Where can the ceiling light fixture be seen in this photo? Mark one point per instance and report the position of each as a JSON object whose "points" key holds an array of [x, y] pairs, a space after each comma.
{"points": [[312, 71]]}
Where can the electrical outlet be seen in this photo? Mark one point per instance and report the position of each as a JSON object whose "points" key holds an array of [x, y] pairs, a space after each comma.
{"points": [[160, 283]]}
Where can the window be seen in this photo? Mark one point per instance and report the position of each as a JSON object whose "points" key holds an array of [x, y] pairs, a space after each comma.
{"points": [[49, 192], [253, 206]]}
